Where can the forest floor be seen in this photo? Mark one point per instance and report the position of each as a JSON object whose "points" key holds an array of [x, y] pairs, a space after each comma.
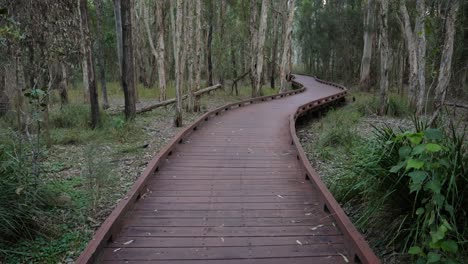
{"points": [[92, 170]]}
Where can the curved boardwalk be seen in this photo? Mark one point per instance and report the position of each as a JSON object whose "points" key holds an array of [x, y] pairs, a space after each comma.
{"points": [[233, 192]]}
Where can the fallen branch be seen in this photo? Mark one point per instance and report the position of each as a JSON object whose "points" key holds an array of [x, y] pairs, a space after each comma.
{"points": [[173, 100], [457, 105], [234, 82]]}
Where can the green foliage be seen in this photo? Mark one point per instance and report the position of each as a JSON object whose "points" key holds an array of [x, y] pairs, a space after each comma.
{"points": [[338, 129], [22, 196], [419, 178], [69, 116]]}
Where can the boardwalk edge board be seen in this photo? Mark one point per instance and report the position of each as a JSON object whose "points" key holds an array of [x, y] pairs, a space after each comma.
{"points": [[355, 243], [113, 223]]}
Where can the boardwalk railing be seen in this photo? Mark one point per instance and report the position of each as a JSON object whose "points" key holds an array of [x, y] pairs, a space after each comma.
{"points": [[113, 223], [356, 245]]}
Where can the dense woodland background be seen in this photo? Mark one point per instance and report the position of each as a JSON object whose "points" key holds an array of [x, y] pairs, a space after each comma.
{"points": [[75, 73]]}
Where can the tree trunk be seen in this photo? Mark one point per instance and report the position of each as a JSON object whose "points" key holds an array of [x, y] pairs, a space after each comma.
{"points": [[209, 59], [274, 52], [198, 50], [445, 70], [367, 50], [178, 62], [128, 75], [89, 79], [261, 46], [253, 43], [158, 54], [161, 50], [100, 57], [420, 37], [63, 86], [118, 34], [287, 49], [190, 38], [412, 54], [384, 57]]}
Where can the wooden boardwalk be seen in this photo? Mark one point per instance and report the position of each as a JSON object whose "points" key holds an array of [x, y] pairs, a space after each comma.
{"points": [[232, 189]]}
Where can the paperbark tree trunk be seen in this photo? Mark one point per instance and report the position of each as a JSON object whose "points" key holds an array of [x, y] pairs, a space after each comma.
{"points": [[287, 49], [367, 50], [445, 69], [161, 50], [209, 56], [100, 56], [420, 36], [178, 63], [118, 33], [261, 46], [253, 43], [412, 53], [198, 50], [191, 55], [89, 79], [274, 52], [128, 75], [384, 57]]}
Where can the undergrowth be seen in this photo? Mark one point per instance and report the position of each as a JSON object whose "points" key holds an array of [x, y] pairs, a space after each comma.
{"points": [[405, 188]]}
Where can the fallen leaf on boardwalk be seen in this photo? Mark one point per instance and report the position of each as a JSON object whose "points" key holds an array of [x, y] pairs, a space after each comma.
{"points": [[308, 214], [117, 249], [316, 227], [250, 150], [299, 242], [344, 257], [129, 242], [280, 196], [222, 239]]}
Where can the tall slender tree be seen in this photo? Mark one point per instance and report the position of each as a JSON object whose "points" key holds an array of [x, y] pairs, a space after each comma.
{"points": [[445, 69], [161, 50], [367, 50], [260, 47], [384, 57], [128, 75], [198, 51], [287, 48], [89, 78], [100, 56], [178, 63]]}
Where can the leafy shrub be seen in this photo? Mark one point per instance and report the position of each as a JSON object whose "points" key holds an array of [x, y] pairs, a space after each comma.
{"points": [[418, 180]]}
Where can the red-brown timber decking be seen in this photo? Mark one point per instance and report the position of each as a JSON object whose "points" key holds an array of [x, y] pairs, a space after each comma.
{"points": [[235, 187]]}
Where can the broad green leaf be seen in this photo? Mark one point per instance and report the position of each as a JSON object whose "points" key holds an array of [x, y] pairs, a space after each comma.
{"points": [[439, 199], [449, 246], [415, 138], [414, 250], [432, 147], [420, 211], [404, 152], [433, 257], [397, 167], [418, 176], [433, 134], [414, 164], [419, 149], [433, 185]]}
